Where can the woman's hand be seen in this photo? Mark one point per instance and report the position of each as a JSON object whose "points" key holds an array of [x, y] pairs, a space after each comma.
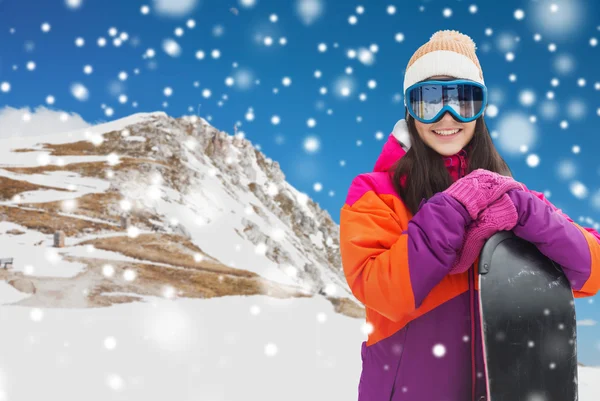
{"points": [[480, 188], [499, 216]]}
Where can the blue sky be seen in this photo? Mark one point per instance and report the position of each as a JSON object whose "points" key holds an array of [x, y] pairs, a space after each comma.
{"points": [[257, 62]]}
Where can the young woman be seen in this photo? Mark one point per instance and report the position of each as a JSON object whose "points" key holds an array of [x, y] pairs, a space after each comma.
{"points": [[411, 232]]}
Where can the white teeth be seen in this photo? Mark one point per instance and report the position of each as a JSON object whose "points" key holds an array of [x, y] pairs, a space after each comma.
{"points": [[446, 132]]}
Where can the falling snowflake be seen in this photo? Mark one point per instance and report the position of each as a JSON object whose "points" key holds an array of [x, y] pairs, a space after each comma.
{"points": [[36, 314], [439, 350], [519, 14], [115, 382], [366, 56], [110, 343], [533, 160], [171, 47], [527, 97], [578, 189], [108, 270], [129, 275], [261, 249], [73, 4], [309, 10], [312, 144], [271, 349], [79, 91]]}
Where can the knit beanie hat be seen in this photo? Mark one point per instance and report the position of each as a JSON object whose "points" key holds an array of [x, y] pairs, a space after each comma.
{"points": [[449, 53]]}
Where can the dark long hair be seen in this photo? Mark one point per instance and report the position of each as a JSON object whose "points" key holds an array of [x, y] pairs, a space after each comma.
{"points": [[426, 173]]}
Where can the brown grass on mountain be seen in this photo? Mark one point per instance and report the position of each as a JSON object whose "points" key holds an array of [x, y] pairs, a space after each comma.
{"points": [[165, 248], [103, 205], [49, 223], [9, 187], [88, 169], [170, 169], [113, 142], [347, 307], [15, 231], [200, 282]]}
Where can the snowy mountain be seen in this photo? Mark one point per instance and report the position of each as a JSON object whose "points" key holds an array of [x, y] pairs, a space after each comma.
{"points": [[165, 192]]}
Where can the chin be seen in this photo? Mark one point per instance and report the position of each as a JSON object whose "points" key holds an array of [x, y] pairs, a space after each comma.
{"points": [[447, 149]]}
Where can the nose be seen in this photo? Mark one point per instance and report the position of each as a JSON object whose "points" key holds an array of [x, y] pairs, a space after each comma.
{"points": [[449, 117]]}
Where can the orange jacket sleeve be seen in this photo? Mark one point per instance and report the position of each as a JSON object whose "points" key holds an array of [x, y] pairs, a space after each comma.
{"points": [[392, 261]]}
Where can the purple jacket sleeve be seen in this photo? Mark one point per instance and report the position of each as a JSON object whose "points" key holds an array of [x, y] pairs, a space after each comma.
{"points": [[554, 234], [435, 236]]}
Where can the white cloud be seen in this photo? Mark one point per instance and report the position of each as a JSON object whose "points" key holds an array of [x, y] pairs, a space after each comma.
{"points": [[586, 322], [41, 121], [174, 8]]}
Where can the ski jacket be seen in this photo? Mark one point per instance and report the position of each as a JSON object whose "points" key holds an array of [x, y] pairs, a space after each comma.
{"points": [[425, 339]]}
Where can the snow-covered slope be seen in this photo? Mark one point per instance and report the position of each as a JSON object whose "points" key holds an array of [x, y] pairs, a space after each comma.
{"points": [[218, 349], [186, 178]]}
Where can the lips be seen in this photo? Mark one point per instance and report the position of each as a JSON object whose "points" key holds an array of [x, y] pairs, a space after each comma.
{"points": [[447, 132]]}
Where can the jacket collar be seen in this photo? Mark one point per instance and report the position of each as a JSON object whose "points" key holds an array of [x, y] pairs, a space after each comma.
{"points": [[398, 143]]}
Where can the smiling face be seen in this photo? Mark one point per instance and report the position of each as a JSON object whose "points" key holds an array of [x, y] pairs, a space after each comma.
{"points": [[442, 136]]}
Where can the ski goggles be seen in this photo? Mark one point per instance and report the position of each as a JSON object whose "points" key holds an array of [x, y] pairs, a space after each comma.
{"points": [[427, 101]]}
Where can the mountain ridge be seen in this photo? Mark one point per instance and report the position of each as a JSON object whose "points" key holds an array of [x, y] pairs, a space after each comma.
{"points": [[139, 167]]}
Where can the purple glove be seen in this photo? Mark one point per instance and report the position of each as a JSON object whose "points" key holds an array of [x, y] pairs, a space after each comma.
{"points": [[500, 215], [480, 188]]}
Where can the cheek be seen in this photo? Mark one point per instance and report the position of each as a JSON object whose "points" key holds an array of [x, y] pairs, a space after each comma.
{"points": [[470, 129], [421, 130]]}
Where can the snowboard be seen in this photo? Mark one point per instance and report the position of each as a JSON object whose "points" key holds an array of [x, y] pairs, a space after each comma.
{"points": [[528, 323]]}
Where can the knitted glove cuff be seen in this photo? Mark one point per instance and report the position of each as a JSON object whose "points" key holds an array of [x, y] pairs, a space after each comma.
{"points": [[502, 214]]}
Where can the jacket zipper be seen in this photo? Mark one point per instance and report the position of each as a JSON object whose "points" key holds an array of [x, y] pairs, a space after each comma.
{"points": [[471, 296], [461, 165]]}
